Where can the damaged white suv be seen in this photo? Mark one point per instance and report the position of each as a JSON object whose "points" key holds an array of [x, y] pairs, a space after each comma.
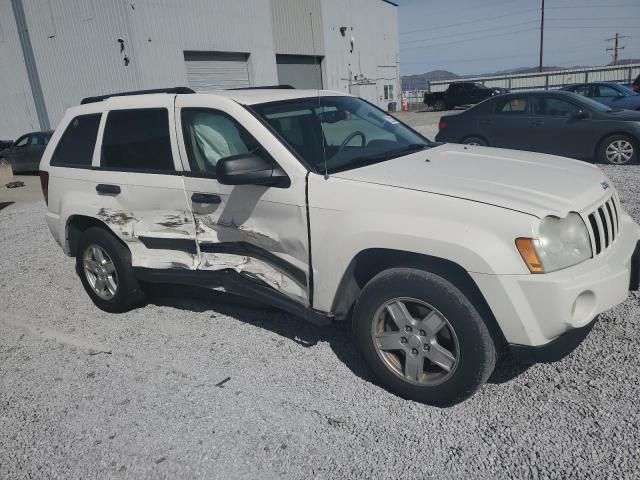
{"points": [[325, 206]]}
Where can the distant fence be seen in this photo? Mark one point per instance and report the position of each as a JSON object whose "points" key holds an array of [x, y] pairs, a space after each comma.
{"points": [[537, 81]]}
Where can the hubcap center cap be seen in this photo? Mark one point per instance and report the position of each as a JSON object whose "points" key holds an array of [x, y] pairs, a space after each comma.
{"points": [[415, 341]]}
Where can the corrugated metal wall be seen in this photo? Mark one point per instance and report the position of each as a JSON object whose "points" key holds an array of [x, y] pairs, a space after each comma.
{"points": [[292, 27], [78, 55], [17, 110]]}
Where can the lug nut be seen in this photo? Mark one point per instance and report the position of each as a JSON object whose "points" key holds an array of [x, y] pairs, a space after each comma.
{"points": [[427, 347], [423, 333], [403, 340], [407, 328], [414, 352]]}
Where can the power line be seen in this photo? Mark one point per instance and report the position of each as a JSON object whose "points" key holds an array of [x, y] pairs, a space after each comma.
{"points": [[477, 20], [471, 39], [470, 32]]}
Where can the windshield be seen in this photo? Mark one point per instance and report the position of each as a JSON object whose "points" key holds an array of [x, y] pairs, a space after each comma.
{"points": [[626, 90], [592, 104], [346, 132]]}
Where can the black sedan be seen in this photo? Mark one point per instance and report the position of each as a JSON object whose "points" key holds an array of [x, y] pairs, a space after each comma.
{"points": [[25, 153], [610, 94], [555, 122]]}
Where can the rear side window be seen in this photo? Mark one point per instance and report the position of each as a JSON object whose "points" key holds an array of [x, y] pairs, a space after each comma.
{"points": [[511, 106], [75, 148], [137, 140]]}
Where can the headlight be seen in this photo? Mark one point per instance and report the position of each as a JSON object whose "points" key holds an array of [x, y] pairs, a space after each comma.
{"points": [[562, 242]]}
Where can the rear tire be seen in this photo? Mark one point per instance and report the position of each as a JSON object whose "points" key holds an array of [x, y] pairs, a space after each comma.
{"points": [[439, 105], [475, 141], [618, 150], [441, 361], [104, 266]]}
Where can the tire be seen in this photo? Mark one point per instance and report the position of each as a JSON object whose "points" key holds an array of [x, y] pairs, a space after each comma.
{"points": [[471, 353], [475, 141], [127, 293], [618, 150], [439, 105]]}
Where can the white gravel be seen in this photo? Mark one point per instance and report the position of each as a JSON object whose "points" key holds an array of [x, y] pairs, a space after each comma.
{"points": [[85, 394]]}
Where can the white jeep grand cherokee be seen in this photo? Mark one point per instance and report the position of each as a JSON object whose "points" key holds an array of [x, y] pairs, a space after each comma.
{"points": [[325, 206]]}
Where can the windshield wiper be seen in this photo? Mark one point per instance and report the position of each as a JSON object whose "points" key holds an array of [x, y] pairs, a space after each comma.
{"points": [[381, 157]]}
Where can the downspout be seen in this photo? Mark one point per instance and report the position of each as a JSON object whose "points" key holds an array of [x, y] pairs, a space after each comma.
{"points": [[30, 64]]}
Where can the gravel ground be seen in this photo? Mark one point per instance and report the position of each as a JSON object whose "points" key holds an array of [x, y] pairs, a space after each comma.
{"points": [[202, 386]]}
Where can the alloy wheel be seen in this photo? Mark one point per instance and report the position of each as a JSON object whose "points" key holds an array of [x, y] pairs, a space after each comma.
{"points": [[100, 272], [415, 341], [619, 152]]}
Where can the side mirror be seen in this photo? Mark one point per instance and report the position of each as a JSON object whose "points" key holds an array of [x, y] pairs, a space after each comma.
{"points": [[250, 169], [579, 115]]}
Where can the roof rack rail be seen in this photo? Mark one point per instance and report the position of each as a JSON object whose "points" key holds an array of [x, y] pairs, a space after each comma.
{"points": [[266, 87], [100, 98]]}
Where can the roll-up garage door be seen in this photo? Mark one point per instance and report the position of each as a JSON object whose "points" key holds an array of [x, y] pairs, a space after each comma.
{"points": [[208, 71], [300, 71]]}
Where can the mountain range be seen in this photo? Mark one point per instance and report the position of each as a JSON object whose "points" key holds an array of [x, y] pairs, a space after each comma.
{"points": [[419, 81]]}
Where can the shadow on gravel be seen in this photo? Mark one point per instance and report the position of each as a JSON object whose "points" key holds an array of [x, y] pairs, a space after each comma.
{"points": [[339, 335], [5, 204], [194, 299]]}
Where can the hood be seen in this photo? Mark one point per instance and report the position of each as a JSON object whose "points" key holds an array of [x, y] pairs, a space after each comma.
{"points": [[629, 115], [532, 183]]}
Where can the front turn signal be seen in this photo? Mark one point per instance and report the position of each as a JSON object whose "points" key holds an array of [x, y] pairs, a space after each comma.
{"points": [[528, 253]]}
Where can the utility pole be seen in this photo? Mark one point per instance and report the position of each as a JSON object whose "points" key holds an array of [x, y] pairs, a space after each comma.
{"points": [[616, 46], [541, 34]]}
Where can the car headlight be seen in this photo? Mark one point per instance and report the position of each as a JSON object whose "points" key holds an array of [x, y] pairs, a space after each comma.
{"points": [[562, 242]]}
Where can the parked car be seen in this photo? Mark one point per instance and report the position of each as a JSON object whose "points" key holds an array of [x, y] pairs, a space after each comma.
{"points": [[25, 153], [610, 94], [438, 254], [635, 86], [460, 93], [555, 122]]}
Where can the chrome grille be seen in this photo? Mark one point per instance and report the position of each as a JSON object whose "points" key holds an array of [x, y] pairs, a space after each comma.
{"points": [[604, 224]]}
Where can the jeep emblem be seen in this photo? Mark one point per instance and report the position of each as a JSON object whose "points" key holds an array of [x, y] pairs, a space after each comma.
{"points": [[604, 185]]}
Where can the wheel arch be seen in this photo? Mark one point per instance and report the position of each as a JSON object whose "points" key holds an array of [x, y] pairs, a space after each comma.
{"points": [[601, 140], [77, 224], [481, 137], [368, 263]]}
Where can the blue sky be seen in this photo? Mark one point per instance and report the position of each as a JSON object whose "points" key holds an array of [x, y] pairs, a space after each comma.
{"points": [[483, 36]]}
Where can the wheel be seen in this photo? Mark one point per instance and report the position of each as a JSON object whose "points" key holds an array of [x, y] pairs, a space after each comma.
{"points": [[618, 150], [475, 141], [422, 338], [439, 105], [104, 267]]}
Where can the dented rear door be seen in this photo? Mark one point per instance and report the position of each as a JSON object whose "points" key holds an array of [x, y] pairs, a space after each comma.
{"points": [[139, 191], [258, 232]]}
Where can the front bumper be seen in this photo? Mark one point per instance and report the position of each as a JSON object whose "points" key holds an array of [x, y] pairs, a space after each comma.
{"points": [[553, 312]]}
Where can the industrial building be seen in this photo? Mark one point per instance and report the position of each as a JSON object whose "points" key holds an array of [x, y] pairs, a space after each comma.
{"points": [[55, 52]]}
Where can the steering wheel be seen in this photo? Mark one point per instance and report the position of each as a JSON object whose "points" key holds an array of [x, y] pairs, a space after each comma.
{"points": [[351, 136]]}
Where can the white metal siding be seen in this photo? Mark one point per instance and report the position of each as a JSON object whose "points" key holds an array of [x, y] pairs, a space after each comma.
{"points": [[294, 21], [207, 71]]}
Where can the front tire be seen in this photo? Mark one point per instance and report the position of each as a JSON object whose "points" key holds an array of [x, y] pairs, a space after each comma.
{"points": [[422, 338], [475, 141], [104, 266], [618, 150]]}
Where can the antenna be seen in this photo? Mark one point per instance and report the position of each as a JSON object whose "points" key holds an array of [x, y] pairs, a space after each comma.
{"points": [[315, 61]]}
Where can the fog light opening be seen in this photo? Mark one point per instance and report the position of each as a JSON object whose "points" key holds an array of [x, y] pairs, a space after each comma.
{"points": [[583, 307]]}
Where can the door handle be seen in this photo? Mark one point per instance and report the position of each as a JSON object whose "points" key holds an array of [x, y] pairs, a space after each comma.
{"points": [[108, 189], [206, 198]]}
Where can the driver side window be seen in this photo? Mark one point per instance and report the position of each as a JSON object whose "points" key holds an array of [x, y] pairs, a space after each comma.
{"points": [[22, 142], [210, 135]]}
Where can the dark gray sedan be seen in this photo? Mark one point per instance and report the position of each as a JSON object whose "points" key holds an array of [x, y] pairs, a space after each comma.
{"points": [[610, 94], [555, 122], [25, 153]]}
